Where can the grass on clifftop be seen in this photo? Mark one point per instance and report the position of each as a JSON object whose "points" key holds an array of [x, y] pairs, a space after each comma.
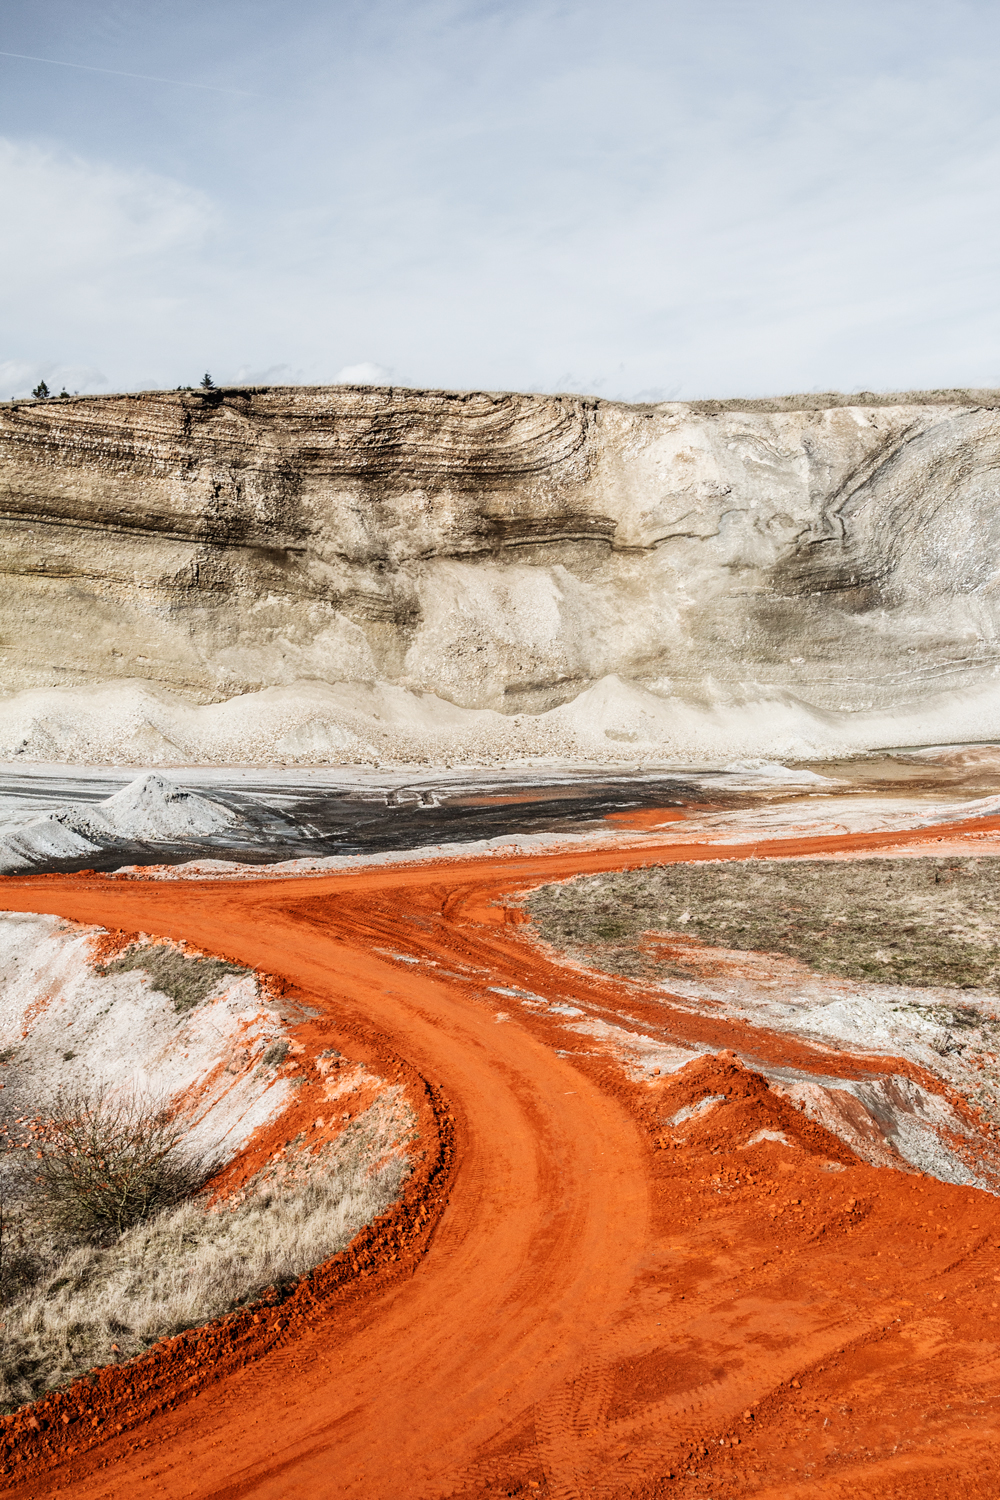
{"points": [[921, 922]]}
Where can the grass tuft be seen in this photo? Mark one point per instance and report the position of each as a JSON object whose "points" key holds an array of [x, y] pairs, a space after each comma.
{"points": [[184, 977]]}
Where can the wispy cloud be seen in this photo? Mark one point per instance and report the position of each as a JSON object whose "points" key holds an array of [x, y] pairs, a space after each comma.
{"points": [[181, 83], [640, 200], [366, 373], [96, 260], [18, 379]]}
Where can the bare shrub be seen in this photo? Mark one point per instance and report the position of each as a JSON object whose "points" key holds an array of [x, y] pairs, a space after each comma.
{"points": [[93, 1303], [104, 1162]]}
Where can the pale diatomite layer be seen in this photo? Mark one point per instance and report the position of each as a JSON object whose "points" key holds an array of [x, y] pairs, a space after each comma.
{"points": [[71, 1028], [363, 575]]}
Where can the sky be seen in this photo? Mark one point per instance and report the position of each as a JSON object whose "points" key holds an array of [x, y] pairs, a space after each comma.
{"points": [[645, 199]]}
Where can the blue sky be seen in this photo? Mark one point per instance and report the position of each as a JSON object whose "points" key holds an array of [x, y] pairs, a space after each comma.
{"points": [[640, 200]]}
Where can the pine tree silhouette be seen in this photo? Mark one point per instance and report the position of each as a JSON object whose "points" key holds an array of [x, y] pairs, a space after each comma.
{"points": [[41, 391], [207, 383]]}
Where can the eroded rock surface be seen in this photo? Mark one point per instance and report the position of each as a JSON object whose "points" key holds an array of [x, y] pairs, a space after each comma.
{"points": [[499, 552]]}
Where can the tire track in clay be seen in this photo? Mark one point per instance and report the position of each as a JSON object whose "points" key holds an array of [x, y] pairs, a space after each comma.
{"points": [[577, 1298]]}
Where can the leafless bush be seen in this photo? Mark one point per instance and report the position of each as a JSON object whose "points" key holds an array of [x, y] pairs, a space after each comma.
{"points": [[105, 1161], [91, 1303]]}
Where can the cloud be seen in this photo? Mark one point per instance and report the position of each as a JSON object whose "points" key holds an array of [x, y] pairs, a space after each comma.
{"points": [[20, 379], [641, 200], [85, 248], [363, 374], [279, 374], [65, 214]]}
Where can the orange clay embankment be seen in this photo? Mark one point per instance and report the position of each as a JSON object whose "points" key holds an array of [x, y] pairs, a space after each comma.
{"points": [[582, 1300]]}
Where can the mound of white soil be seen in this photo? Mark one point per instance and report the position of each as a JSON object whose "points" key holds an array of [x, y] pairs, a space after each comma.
{"points": [[154, 808], [150, 810], [65, 1026], [316, 723]]}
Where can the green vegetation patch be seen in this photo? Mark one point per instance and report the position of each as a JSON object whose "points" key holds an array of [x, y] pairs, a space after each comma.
{"points": [[184, 978], [918, 922]]}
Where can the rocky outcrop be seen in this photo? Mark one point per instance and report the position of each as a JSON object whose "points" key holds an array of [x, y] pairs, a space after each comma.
{"points": [[504, 552]]}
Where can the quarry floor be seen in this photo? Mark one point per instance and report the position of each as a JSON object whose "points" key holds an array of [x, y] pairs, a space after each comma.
{"points": [[593, 1287], [317, 813]]}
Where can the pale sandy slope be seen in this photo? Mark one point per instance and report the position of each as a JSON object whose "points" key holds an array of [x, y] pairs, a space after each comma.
{"points": [[311, 723]]}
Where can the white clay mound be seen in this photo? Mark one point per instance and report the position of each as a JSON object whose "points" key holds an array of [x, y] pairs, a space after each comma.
{"points": [[149, 810], [317, 723], [152, 807], [62, 834], [76, 1030]]}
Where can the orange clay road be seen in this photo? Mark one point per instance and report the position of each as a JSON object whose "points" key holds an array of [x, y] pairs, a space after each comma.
{"points": [[607, 1306]]}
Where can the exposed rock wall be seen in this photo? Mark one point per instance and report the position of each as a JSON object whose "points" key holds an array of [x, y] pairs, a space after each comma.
{"points": [[503, 552]]}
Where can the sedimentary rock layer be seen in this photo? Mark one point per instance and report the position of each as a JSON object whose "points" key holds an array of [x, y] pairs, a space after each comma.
{"points": [[503, 552]]}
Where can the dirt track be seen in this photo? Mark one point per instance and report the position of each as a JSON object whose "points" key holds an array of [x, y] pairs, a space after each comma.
{"points": [[598, 1310]]}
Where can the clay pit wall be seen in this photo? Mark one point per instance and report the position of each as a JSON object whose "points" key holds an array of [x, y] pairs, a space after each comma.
{"points": [[502, 551]]}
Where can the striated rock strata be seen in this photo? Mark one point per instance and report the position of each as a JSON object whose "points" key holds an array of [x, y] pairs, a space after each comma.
{"points": [[837, 556]]}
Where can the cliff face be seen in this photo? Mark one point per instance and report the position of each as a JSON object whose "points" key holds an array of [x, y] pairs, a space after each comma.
{"points": [[502, 551]]}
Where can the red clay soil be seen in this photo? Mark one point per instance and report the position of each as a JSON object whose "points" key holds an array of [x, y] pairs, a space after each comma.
{"points": [[647, 817], [577, 1297]]}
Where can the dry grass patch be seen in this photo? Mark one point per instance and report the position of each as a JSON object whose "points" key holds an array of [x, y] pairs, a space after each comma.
{"points": [[70, 1307], [186, 978], [919, 922]]}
